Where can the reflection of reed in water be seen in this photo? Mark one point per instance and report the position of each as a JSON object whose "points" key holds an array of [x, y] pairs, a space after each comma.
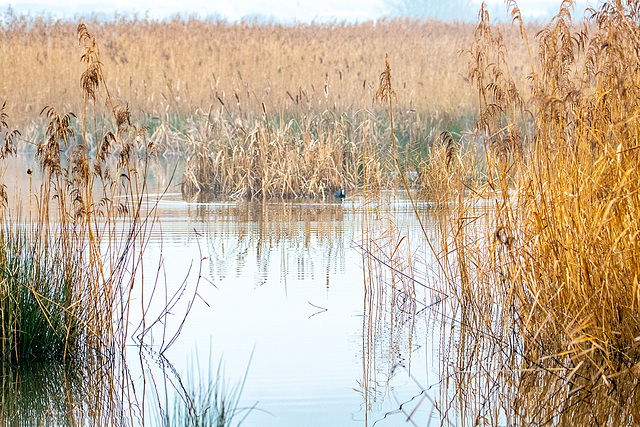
{"points": [[300, 239], [393, 305], [55, 394], [96, 394], [203, 396]]}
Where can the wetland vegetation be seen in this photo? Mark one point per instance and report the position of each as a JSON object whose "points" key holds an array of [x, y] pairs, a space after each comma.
{"points": [[515, 147], [538, 266]]}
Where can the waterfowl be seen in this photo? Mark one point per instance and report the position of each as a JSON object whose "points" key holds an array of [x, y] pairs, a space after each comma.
{"points": [[339, 194]]}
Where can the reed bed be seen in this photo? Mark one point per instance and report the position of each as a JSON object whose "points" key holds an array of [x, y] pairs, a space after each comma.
{"points": [[538, 257], [68, 267], [264, 161], [171, 69], [549, 291], [302, 156], [226, 94]]}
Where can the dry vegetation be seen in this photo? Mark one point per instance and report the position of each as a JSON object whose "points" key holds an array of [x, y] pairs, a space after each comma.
{"points": [[73, 251], [541, 286], [539, 266], [179, 67], [563, 249], [259, 110], [68, 265]]}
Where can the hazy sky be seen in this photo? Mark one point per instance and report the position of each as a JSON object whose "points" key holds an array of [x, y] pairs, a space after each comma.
{"points": [[282, 10]]}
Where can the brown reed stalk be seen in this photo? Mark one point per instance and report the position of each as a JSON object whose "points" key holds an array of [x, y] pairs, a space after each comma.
{"points": [[540, 263], [555, 286]]}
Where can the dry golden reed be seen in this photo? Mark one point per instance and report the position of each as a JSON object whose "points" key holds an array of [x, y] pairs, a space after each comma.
{"points": [[547, 277], [312, 158], [181, 66], [226, 94], [537, 244]]}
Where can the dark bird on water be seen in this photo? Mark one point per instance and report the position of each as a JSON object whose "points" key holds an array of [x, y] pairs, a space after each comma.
{"points": [[339, 194]]}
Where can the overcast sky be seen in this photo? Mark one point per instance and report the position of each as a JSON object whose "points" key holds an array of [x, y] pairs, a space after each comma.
{"points": [[279, 10]]}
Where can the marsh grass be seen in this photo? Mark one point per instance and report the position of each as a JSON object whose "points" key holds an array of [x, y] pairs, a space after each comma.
{"points": [[67, 271], [539, 264], [37, 321], [203, 399]]}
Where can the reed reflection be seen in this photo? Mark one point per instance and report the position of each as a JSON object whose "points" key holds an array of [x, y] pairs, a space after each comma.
{"points": [[58, 394], [298, 239], [204, 395], [396, 310]]}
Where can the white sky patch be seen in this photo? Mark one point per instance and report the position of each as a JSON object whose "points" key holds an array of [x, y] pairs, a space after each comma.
{"points": [[540, 9]]}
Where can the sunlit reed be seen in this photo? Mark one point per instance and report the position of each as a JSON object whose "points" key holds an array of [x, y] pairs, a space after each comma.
{"points": [[538, 252]]}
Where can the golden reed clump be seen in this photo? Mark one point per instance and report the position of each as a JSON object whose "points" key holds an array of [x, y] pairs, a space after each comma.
{"points": [[537, 232], [547, 275]]}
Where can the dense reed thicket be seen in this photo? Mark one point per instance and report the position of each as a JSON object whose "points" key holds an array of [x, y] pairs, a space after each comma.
{"points": [[537, 245], [176, 68], [546, 279], [309, 159], [224, 95]]}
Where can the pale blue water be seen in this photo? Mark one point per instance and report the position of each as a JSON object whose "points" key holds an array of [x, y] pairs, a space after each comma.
{"points": [[280, 285], [284, 281]]}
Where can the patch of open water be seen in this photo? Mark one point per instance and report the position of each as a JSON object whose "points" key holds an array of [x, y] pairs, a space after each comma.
{"points": [[283, 281], [276, 290]]}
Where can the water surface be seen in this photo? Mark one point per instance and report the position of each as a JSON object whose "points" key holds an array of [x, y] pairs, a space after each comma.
{"points": [[276, 291], [284, 281]]}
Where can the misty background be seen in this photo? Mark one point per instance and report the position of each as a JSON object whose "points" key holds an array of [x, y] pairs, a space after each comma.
{"points": [[286, 11]]}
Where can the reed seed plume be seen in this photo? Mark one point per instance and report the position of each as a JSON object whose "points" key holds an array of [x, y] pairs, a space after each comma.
{"points": [[385, 92], [58, 130], [75, 260], [450, 146], [92, 77], [8, 147], [538, 225]]}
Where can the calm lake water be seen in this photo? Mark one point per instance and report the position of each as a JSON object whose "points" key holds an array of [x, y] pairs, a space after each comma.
{"points": [[284, 281], [276, 290]]}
